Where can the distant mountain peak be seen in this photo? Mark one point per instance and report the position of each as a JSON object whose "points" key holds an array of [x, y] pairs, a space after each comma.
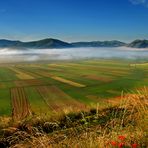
{"points": [[55, 43], [41, 44], [139, 44]]}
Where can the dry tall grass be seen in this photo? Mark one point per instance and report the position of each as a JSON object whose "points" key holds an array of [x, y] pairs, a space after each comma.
{"points": [[123, 124]]}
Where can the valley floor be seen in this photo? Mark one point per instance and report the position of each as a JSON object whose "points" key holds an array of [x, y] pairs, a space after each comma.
{"points": [[84, 103]]}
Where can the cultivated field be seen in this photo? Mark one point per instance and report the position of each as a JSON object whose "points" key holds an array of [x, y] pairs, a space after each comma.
{"points": [[42, 88], [20, 104]]}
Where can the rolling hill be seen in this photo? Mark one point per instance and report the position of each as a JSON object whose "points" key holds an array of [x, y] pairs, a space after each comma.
{"points": [[139, 44], [40, 44], [55, 43], [99, 44]]}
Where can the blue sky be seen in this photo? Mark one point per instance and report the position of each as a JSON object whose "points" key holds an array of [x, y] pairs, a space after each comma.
{"points": [[74, 20]]}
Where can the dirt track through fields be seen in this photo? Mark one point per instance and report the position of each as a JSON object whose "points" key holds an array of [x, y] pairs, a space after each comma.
{"points": [[20, 104]]}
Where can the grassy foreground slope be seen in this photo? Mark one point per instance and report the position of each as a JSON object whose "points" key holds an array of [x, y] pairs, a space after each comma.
{"points": [[123, 124]]}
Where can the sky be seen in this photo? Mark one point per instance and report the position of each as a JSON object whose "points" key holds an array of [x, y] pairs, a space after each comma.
{"points": [[74, 20]]}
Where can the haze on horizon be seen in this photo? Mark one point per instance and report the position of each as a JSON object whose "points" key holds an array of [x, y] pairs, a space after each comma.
{"points": [[74, 20], [33, 55]]}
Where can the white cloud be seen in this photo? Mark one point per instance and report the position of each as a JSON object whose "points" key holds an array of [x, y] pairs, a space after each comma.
{"points": [[136, 2], [139, 2]]}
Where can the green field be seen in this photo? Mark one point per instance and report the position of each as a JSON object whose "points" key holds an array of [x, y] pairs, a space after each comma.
{"points": [[52, 86]]}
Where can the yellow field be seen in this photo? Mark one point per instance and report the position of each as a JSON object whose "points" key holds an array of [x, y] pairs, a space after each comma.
{"points": [[47, 74], [24, 76], [20, 74], [68, 81], [141, 64], [29, 73]]}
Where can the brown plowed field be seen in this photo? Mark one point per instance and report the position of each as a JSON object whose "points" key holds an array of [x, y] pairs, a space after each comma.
{"points": [[20, 104]]}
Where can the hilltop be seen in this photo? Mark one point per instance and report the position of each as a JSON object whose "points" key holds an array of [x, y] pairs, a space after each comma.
{"points": [[139, 44], [41, 44]]}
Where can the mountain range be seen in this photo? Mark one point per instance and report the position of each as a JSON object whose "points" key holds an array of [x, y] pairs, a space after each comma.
{"points": [[54, 43]]}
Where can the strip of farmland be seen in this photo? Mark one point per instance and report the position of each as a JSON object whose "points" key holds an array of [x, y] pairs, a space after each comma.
{"points": [[20, 74], [57, 100], [28, 82], [26, 71], [5, 107], [20, 104], [67, 81], [6, 75], [60, 79]]}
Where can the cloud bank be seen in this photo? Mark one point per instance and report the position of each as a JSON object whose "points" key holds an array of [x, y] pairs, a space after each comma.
{"points": [[18, 55]]}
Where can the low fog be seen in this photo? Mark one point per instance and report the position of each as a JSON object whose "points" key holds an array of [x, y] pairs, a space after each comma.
{"points": [[21, 55]]}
